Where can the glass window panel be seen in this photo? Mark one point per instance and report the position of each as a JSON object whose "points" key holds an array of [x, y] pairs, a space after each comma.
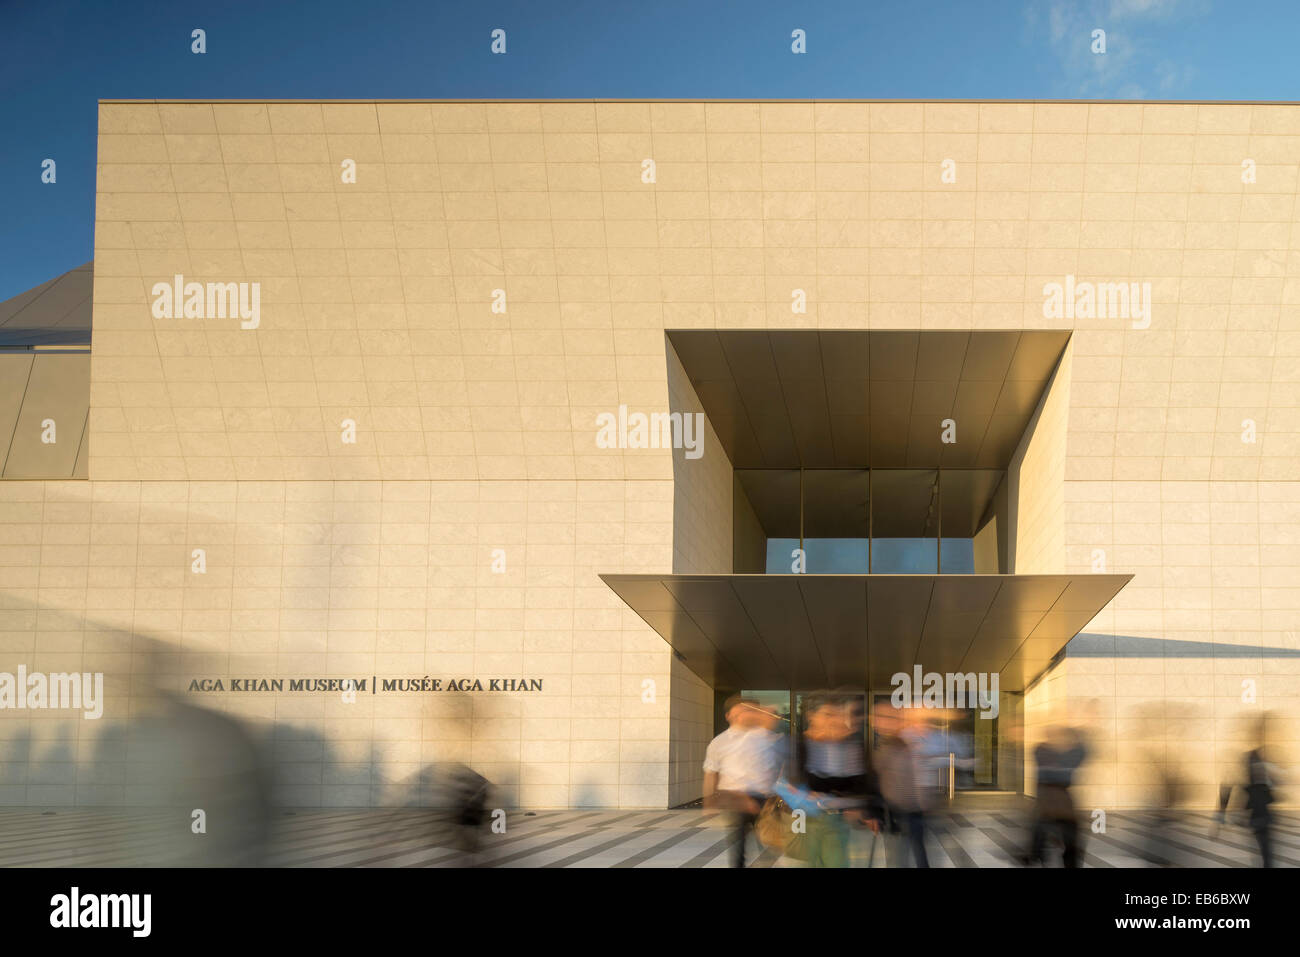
{"points": [[905, 556], [957, 556], [835, 513], [836, 556], [779, 557]]}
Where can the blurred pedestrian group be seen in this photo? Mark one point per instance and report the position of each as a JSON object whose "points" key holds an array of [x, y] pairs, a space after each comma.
{"points": [[806, 795], [819, 796]]}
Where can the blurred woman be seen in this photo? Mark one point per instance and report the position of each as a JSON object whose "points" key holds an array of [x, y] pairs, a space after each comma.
{"points": [[829, 777]]}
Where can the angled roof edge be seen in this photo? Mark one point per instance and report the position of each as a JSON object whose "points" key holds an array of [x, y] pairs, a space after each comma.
{"points": [[57, 312]]}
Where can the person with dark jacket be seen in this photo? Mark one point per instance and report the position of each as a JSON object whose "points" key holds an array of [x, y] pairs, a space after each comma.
{"points": [[1260, 778], [1058, 758], [1259, 797], [831, 767], [904, 759]]}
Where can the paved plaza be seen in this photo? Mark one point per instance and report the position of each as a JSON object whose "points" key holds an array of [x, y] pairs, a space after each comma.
{"points": [[409, 837]]}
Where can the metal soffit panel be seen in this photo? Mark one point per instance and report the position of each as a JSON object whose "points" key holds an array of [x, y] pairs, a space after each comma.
{"points": [[38, 391], [815, 631], [854, 398]]}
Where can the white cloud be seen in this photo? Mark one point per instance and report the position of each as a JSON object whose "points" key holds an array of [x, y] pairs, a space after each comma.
{"points": [[1122, 9], [1133, 61]]}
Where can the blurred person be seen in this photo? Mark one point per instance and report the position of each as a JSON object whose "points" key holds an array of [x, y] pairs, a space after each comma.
{"points": [[933, 745], [741, 766], [961, 743], [1233, 778], [182, 758], [905, 756], [1058, 758], [1226, 787], [830, 777], [870, 815], [1261, 778], [463, 797], [886, 722], [1257, 778], [935, 748]]}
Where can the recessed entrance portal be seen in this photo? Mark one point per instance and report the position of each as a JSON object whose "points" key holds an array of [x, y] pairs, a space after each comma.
{"points": [[962, 747], [874, 501]]}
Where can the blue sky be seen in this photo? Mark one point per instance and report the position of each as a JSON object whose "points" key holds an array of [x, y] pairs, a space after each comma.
{"points": [[58, 58]]}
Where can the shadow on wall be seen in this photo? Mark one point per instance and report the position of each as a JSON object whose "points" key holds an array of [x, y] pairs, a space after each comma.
{"points": [[50, 759], [174, 784], [178, 784], [1161, 729], [1091, 645], [173, 753], [1185, 742], [589, 794]]}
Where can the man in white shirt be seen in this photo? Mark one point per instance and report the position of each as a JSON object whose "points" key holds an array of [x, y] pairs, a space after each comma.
{"points": [[741, 767]]}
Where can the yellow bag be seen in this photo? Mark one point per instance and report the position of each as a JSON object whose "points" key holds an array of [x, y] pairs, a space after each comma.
{"points": [[775, 829]]}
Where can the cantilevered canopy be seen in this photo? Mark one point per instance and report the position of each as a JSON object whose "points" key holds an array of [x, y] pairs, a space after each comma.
{"points": [[818, 631], [858, 398]]}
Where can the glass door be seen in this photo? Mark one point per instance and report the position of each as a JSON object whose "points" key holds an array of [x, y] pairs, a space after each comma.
{"points": [[965, 748], [973, 743]]}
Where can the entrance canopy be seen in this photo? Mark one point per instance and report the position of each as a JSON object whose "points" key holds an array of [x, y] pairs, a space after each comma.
{"points": [[857, 398], [820, 631]]}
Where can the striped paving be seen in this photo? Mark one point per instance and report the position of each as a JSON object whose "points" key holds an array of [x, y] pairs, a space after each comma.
{"points": [[409, 837]]}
